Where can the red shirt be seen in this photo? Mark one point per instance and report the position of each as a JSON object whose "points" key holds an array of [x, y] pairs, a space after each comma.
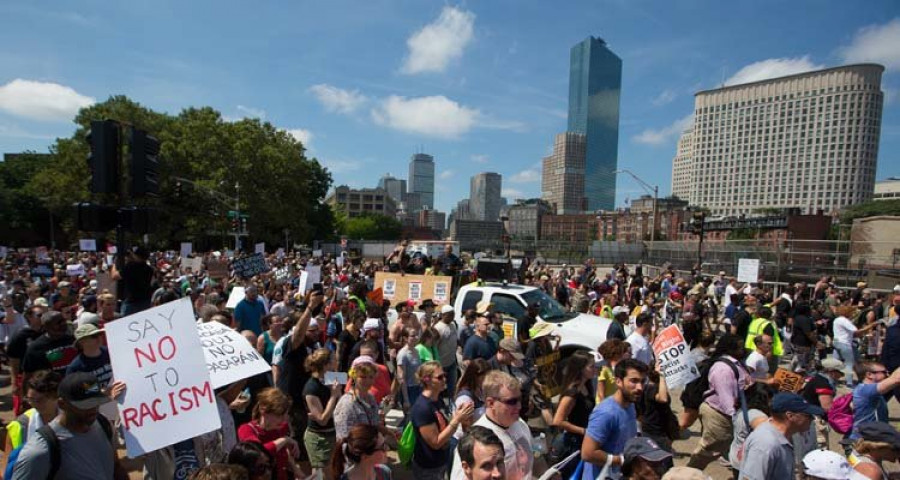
{"points": [[252, 432]]}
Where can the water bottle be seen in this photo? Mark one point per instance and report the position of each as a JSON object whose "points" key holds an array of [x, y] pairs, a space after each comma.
{"points": [[539, 445]]}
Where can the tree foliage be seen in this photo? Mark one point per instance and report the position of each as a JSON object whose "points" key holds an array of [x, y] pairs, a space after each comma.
{"points": [[279, 187], [871, 209], [372, 227]]}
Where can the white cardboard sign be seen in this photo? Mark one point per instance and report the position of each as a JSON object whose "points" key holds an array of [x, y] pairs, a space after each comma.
{"points": [[237, 294], [260, 248], [75, 270], [186, 249], [170, 397], [675, 362], [315, 275], [748, 270], [229, 356], [301, 285], [87, 245]]}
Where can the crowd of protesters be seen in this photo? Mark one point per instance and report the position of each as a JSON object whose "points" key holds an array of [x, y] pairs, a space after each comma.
{"points": [[470, 395]]}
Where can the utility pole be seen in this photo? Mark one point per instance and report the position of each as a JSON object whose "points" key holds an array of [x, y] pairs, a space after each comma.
{"points": [[237, 210]]}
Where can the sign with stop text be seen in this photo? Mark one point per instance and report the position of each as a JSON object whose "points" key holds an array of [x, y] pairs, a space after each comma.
{"points": [[229, 356], [675, 362], [169, 396]]}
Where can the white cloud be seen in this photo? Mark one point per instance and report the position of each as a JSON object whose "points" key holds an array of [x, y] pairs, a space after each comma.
{"points": [[512, 193], [341, 166], [772, 68], [664, 98], [42, 100], [436, 116], [480, 158], [663, 135], [875, 43], [526, 176], [433, 47], [301, 135], [250, 112], [336, 99], [447, 174]]}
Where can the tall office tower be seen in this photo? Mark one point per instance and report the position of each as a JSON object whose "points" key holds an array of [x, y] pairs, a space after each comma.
{"points": [[562, 175], [595, 82], [421, 178], [681, 166], [484, 196], [807, 141], [395, 187]]}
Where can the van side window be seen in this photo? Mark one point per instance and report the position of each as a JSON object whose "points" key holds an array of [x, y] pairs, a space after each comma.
{"points": [[508, 305], [471, 300]]}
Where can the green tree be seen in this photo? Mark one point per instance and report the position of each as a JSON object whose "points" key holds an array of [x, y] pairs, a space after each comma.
{"points": [[372, 227], [870, 209], [279, 187]]}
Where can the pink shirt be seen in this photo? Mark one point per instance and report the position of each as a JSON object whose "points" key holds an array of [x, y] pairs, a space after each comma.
{"points": [[724, 386]]}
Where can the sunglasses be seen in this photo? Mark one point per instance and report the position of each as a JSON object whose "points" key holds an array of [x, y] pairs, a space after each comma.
{"points": [[884, 372], [440, 377], [512, 402]]}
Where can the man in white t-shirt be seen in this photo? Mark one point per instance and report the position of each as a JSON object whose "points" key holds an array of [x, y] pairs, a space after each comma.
{"points": [[730, 289], [757, 362], [844, 332], [640, 347], [503, 400]]}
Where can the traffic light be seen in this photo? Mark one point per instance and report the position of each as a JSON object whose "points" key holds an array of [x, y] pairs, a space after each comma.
{"points": [[696, 224], [103, 160], [235, 223], [177, 189], [243, 223], [144, 164]]}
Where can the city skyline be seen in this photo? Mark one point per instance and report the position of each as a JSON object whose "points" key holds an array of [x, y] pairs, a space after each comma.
{"points": [[361, 87]]}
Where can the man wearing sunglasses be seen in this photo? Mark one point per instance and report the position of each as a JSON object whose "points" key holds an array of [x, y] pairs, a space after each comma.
{"points": [[869, 404], [768, 452], [503, 401]]}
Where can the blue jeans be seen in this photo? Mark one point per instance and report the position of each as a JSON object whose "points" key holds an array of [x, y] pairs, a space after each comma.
{"points": [[846, 354]]}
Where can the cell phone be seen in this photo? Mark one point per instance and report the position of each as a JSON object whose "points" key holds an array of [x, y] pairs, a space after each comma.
{"points": [[331, 377]]}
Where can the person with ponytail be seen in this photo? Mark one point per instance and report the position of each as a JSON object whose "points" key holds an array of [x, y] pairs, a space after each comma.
{"points": [[433, 429], [361, 455]]}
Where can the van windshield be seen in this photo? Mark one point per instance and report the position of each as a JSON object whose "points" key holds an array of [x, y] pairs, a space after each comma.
{"points": [[551, 310]]}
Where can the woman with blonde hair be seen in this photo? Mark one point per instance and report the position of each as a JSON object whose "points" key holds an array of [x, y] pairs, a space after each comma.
{"points": [[321, 400], [844, 331], [270, 428], [362, 455], [433, 429], [358, 406]]}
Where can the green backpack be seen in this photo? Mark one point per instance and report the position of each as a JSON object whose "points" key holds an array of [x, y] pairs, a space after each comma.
{"points": [[407, 444]]}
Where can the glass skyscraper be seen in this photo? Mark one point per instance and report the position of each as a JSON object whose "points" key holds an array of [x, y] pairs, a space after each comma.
{"points": [[595, 82], [421, 179]]}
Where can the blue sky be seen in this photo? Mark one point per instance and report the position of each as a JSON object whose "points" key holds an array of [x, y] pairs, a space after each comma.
{"points": [[482, 86]]}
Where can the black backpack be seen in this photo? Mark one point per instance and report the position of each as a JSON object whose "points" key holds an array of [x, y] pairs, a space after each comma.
{"points": [[695, 391], [52, 440]]}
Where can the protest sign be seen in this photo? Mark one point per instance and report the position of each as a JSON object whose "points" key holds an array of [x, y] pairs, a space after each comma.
{"points": [[441, 292], [75, 270], [229, 356], [549, 369], [748, 270], [42, 270], [87, 245], [301, 284], [110, 259], [217, 268], [339, 261], [788, 381], [389, 289], [3, 252], [283, 273], [186, 249], [259, 247], [675, 362], [315, 275], [195, 264], [415, 291], [105, 282], [170, 397], [41, 254], [510, 328], [111, 249], [279, 253], [316, 253], [237, 294], [249, 266]]}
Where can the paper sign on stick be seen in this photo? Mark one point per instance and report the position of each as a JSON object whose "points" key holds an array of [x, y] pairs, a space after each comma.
{"points": [[788, 381], [106, 283], [315, 275], [186, 249], [675, 362], [217, 268], [301, 284], [229, 356], [87, 245], [75, 270], [260, 248], [748, 270], [237, 294], [170, 397]]}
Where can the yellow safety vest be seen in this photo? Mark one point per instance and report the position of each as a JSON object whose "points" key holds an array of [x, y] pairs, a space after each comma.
{"points": [[756, 328]]}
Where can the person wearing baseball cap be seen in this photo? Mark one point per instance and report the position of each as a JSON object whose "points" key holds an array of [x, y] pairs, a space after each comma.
{"points": [[84, 439], [94, 358], [878, 442], [768, 451], [820, 389], [645, 459], [827, 465]]}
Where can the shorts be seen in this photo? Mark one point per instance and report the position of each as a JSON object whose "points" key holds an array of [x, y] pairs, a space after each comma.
{"points": [[319, 447]]}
